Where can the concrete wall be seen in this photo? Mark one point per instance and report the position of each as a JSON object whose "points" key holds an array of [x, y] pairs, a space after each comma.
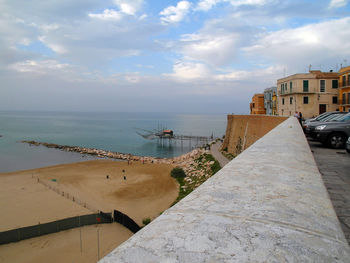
{"points": [[269, 204], [243, 130]]}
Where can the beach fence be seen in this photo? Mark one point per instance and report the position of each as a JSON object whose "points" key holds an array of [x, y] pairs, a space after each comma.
{"points": [[22, 233], [67, 195], [126, 221]]}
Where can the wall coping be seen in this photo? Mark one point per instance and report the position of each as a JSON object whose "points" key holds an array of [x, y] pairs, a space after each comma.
{"points": [[269, 204]]}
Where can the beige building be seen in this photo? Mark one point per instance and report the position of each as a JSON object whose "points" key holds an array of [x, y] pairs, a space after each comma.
{"points": [[344, 89], [309, 93]]}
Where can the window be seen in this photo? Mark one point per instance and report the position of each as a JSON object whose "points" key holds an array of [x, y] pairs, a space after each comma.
{"points": [[291, 100], [343, 99], [281, 88], [305, 86], [282, 101], [349, 80], [344, 81], [322, 85], [290, 87], [335, 99], [334, 84], [306, 100], [348, 98]]}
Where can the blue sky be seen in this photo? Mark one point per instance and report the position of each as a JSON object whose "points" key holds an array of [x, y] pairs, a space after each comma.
{"points": [[206, 56]]}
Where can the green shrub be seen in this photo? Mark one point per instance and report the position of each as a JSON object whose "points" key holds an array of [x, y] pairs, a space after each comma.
{"points": [[178, 173], [146, 221]]}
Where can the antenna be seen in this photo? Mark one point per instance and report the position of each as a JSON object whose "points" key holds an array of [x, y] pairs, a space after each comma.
{"points": [[310, 67]]}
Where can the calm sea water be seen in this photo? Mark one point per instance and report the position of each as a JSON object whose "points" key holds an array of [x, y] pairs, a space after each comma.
{"points": [[108, 131]]}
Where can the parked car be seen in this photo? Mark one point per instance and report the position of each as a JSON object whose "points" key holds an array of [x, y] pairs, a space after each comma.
{"points": [[309, 128], [347, 145], [334, 133], [319, 117]]}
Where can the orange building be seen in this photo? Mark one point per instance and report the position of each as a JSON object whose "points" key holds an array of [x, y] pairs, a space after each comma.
{"points": [[344, 89], [257, 104]]}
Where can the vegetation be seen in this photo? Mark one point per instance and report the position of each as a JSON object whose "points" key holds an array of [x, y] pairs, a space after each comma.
{"points": [[146, 221], [178, 172], [199, 171]]}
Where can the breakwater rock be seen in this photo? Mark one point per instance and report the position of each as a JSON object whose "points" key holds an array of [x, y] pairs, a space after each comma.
{"points": [[182, 161]]}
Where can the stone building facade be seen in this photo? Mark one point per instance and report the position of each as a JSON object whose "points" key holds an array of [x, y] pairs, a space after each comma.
{"points": [[344, 89], [257, 104], [270, 103], [309, 93]]}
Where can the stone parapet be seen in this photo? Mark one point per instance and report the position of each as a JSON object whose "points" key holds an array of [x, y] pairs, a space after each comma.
{"points": [[269, 204]]}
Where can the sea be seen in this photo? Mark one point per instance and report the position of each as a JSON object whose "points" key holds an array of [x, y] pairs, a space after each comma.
{"points": [[113, 131]]}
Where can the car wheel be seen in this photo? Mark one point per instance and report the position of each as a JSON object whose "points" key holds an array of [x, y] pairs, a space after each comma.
{"points": [[336, 141]]}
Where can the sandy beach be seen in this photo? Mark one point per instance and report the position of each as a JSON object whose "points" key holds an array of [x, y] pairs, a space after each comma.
{"points": [[33, 196]]}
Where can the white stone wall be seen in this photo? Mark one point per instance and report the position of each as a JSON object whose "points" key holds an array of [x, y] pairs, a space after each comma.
{"points": [[269, 204]]}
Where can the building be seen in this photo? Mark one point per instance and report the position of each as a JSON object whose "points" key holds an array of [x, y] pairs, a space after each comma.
{"points": [[344, 89], [270, 102], [309, 93], [257, 104]]}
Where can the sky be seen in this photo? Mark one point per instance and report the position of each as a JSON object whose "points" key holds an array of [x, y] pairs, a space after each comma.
{"points": [[204, 56]]}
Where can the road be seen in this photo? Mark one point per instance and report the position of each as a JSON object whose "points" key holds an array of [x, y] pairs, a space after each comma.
{"points": [[215, 151], [334, 166]]}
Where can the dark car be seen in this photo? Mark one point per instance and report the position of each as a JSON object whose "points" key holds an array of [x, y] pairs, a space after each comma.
{"points": [[334, 134], [347, 145], [309, 128], [320, 117]]}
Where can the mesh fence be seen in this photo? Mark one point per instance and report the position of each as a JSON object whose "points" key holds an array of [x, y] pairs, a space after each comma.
{"points": [[53, 227]]}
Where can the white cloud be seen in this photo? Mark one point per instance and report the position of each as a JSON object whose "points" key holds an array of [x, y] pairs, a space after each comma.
{"points": [[248, 2], [54, 46], [213, 49], [206, 5], [129, 7], [108, 14], [188, 71], [312, 43], [337, 3], [39, 67], [174, 14], [49, 27]]}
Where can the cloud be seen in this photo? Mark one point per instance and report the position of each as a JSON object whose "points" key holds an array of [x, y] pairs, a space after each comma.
{"points": [[174, 14], [314, 43], [188, 71], [55, 47], [129, 7], [212, 48], [337, 3], [108, 14], [206, 5], [40, 67], [249, 2]]}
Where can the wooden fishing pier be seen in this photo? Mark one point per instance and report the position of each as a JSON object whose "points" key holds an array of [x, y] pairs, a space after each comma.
{"points": [[166, 135]]}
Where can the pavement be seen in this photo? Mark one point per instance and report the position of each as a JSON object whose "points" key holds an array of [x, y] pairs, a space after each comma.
{"points": [[215, 151], [334, 166]]}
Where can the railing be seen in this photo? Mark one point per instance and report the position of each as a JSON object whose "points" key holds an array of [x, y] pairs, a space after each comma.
{"points": [[269, 204]]}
